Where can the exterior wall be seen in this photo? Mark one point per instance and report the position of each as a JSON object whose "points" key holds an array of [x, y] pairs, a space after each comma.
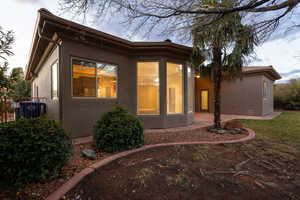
{"points": [[41, 85], [268, 102], [79, 114], [242, 97]]}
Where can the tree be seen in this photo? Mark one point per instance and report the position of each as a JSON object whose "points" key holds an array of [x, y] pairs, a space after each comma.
{"points": [[173, 16], [6, 41], [287, 96], [19, 88], [227, 44]]}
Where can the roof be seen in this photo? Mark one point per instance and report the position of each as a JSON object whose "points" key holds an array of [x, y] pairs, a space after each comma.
{"points": [[50, 27], [268, 70]]}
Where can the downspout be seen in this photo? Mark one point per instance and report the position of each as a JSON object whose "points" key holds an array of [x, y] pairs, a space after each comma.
{"points": [[59, 45]]}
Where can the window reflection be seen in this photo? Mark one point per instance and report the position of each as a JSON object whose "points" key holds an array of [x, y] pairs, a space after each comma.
{"points": [[91, 79]]}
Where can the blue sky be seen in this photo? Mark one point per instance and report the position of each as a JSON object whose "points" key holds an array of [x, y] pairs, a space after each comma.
{"points": [[20, 16]]}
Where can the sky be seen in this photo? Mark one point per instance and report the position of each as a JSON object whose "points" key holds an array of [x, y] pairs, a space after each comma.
{"points": [[283, 52]]}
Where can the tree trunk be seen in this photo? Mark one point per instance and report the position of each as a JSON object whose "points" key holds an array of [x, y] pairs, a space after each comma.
{"points": [[217, 75]]}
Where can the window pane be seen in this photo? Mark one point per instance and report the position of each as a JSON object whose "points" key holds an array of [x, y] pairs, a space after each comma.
{"points": [[107, 81], [264, 89], [174, 88], [190, 89], [148, 87], [54, 81], [84, 79]]}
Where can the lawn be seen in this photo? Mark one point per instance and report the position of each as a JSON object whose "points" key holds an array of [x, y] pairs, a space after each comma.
{"points": [[284, 128]]}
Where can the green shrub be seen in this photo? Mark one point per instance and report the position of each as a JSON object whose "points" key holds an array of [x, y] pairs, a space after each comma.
{"points": [[118, 130], [32, 150], [287, 96]]}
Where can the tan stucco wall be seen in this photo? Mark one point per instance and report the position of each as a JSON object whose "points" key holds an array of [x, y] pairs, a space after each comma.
{"points": [[240, 96], [79, 115], [43, 82]]}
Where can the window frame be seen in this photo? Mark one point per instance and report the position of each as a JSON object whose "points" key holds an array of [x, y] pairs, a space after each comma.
{"points": [[188, 89], [265, 89], [183, 87], [96, 81], [51, 68], [159, 86]]}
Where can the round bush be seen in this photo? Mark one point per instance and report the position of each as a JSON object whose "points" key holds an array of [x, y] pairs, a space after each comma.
{"points": [[118, 130], [32, 150]]}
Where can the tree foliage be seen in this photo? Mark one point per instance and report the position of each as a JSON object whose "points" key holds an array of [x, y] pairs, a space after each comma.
{"points": [[19, 88], [287, 96], [6, 41], [226, 44], [235, 40]]}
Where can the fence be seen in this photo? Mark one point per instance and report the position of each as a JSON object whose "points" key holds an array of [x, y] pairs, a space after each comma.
{"points": [[8, 108]]}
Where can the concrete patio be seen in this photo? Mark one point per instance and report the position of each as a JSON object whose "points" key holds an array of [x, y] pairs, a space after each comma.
{"points": [[207, 119]]}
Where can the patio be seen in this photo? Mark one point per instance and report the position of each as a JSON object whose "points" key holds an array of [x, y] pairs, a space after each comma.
{"points": [[206, 119]]}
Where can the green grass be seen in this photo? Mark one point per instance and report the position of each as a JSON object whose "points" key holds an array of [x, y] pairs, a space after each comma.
{"points": [[284, 128]]}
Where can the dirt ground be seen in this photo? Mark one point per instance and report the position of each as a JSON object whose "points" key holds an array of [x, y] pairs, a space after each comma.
{"points": [[260, 169], [77, 163]]}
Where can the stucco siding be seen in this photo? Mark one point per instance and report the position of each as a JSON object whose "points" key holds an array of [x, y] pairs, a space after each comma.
{"points": [[41, 85], [79, 114], [242, 96]]}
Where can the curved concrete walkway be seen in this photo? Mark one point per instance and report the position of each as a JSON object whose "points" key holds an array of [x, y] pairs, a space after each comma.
{"points": [[60, 192]]}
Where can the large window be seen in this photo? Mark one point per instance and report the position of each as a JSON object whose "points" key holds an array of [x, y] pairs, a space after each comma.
{"points": [[190, 89], [54, 81], [148, 87], [174, 88], [91, 79]]}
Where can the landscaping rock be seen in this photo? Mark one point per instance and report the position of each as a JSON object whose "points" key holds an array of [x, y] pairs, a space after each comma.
{"points": [[233, 124], [221, 131], [89, 153]]}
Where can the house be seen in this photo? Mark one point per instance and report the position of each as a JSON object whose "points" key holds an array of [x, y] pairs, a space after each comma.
{"points": [[250, 95], [83, 73]]}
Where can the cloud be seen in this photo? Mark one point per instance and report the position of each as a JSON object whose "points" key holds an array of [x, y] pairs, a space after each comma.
{"points": [[29, 1], [291, 73], [286, 77]]}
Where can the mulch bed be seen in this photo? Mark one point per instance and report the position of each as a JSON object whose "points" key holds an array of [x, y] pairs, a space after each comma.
{"points": [[78, 163], [255, 170], [201, 135]]}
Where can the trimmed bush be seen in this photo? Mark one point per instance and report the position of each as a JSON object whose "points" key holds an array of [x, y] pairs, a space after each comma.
{"points": [[32, 150], [118, 130]]}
